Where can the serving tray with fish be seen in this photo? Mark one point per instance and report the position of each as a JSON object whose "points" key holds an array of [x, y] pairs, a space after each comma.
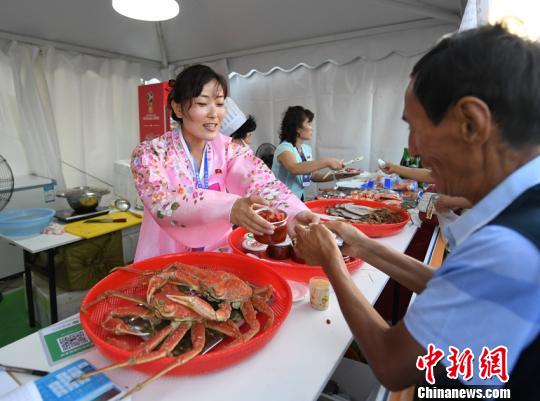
{"points": [[374, 219]]}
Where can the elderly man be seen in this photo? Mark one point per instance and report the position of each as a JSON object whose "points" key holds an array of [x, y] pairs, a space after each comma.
{"points": [[473, 108]]}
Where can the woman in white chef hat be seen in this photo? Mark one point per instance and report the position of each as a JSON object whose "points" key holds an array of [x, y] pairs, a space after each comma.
{"points": [[235, 124]]}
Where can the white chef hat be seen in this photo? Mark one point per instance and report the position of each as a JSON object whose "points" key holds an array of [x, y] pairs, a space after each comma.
{"points": [[234, 117]]}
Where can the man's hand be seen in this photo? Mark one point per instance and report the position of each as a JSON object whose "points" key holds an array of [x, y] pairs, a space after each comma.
{"points": [[243, 214], [446, 203], [316, 244], [354, 240], [390, 168], [305, 218]]}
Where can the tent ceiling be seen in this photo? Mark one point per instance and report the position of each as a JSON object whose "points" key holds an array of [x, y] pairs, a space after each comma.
{"points": [[209, 28]]}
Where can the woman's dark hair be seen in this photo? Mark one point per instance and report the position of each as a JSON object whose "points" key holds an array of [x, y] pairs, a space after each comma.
{"points": [[249, 125], [190, 83], [489, 63], [293, 119]]}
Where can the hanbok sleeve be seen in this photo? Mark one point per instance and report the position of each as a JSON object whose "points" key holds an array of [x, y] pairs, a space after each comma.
{"points": [[167, 191], [248, 175]]}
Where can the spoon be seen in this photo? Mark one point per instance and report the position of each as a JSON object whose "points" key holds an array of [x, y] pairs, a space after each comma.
{"points": [[123, 205]]}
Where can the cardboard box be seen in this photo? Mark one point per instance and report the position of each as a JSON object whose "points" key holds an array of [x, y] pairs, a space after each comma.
{"points": [[154, 114], [68, 302]]}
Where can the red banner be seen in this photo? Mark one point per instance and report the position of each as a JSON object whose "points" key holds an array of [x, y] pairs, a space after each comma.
{"points": [[154, 114]]}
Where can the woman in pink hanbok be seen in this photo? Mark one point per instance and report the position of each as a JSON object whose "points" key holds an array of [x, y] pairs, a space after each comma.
{"points": [[195, 183]]}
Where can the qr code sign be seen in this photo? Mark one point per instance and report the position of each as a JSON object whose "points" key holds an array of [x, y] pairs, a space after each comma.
{"points": [[72, 341]]}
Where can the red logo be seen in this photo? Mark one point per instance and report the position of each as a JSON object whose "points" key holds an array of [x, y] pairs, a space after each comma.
{"points": [[494, 363], [460, 363], [428, 362]]}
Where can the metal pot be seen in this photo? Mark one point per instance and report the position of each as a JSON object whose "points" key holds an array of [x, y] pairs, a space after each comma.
{"points": [[83, 199]]}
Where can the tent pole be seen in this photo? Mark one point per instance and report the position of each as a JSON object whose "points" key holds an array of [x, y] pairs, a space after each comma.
{"points": [[162, 48], [74, 48]]}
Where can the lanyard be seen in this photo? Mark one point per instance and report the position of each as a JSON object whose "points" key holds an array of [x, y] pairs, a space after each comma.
{"points": [[306, 178], [204, 184], [196, 173]]}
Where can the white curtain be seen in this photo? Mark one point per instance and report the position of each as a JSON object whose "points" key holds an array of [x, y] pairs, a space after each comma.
{"points": [[94, 101], [57, 106], [27, 116], [11, 146], [358, 106]]}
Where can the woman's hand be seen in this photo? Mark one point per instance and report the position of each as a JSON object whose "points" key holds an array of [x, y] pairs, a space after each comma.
{"points": [[305, 218], [316, 245], [243, 214], [334, 164], [354, 240]]}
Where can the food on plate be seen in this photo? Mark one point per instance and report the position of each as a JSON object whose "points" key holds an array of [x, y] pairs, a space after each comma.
{"points": [[347, 172], [364, 214], [388, 197], [279, 220], [180, 299]]}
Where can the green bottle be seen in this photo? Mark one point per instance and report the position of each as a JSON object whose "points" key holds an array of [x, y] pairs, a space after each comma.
{"points": [[406, 158]]}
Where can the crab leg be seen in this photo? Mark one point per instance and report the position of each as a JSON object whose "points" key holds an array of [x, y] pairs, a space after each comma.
{"points": [[197, 339], [114, 293], [263, 307], [151, 272], [228, 328], [250, 316], [114, 324], [172, 335], [176, 277], [203, 308], [265, 293]]}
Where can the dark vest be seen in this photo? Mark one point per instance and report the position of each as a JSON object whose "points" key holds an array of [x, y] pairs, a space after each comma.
{"points": [[523, 216]]}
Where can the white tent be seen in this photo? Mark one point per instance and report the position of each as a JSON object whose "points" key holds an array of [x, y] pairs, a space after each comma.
{"points": [[70, 68]]}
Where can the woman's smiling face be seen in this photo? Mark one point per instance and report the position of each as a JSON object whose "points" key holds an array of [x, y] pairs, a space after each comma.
{"points": [[202, 118]]}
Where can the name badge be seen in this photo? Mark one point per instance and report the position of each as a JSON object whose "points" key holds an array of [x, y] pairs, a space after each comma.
{"points": [[306, 180]]}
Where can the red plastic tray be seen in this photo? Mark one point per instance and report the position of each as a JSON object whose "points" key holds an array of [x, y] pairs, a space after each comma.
{"points": [[371, 230], [286, 268], [217, 358]]}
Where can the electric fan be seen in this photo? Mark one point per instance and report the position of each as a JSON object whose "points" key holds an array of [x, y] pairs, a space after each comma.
{"points": [[6, 186], [6, 182], [265, 152]]}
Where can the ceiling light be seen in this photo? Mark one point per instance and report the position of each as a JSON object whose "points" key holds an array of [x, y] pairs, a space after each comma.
{"points": [[147, 10]]}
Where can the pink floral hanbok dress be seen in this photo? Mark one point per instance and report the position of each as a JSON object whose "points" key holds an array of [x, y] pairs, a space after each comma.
{"points": [[179, 215]]}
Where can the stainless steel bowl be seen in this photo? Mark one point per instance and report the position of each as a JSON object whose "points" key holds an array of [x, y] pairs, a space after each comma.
{"points": [[83, 199]]}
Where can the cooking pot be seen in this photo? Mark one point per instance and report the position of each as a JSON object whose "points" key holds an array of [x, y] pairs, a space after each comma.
{"points": [[83, 199]]}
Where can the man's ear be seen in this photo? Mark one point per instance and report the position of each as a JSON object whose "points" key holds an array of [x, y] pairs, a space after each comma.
{"points": [[474, 118]]}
